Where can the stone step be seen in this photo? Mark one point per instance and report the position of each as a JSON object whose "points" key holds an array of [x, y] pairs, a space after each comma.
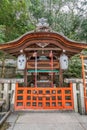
{"points": [[42, 111]]}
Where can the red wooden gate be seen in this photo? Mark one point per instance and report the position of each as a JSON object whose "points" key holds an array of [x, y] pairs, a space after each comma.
{"points": [[44, 98]]}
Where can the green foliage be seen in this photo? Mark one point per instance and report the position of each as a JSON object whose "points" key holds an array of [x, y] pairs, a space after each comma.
{"points": [[18, 75], [2, 34], [64, 16], [14, 15], [83, 31], [75, 68], [36, 9]]}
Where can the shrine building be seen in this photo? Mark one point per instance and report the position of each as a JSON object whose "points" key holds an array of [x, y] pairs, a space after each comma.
{"points": [[43, 55]]}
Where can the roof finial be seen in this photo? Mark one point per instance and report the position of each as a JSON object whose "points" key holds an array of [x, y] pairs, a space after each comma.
{"points": [[42, 25]]}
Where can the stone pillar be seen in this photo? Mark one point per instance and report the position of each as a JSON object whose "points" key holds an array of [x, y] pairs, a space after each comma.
{"points": [[13, 86], [75, 98], [6, 95], [0, 90], [82, 103]]}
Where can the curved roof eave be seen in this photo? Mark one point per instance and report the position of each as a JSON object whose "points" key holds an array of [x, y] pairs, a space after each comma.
{"points": [[80, 42], [60, 34], [30, 36]]}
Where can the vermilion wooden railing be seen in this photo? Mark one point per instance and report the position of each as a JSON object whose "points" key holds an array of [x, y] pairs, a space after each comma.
{"points": [[44, 98]]}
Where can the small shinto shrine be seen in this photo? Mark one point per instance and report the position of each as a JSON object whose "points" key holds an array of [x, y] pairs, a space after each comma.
{"points": [[43, 56]]}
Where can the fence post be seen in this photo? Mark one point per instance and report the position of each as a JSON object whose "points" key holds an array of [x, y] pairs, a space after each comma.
{"points": [[75, 98], [13, 87], [0, 90], [6, 95], [82, 104]]}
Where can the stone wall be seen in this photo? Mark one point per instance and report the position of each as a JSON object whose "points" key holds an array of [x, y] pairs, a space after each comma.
{"points": [[10, 72], [9, 68]]}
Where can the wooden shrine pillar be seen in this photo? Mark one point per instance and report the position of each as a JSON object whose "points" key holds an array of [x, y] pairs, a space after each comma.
{"points": [[35, 55], [25, 75], [51, 62]]}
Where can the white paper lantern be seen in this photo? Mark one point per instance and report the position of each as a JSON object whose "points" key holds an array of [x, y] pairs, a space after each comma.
{"points": [[64, 62], [21, 62]]}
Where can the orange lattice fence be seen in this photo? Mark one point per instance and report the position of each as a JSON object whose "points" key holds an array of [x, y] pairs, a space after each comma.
{"points": [[44, 98]]}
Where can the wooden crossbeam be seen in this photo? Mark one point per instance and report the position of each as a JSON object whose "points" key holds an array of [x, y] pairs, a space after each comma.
{"points": [[46, 49]]}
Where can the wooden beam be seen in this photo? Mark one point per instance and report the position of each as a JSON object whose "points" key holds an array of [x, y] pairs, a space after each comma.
{"points": [[45, 49], [48, 68]]}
